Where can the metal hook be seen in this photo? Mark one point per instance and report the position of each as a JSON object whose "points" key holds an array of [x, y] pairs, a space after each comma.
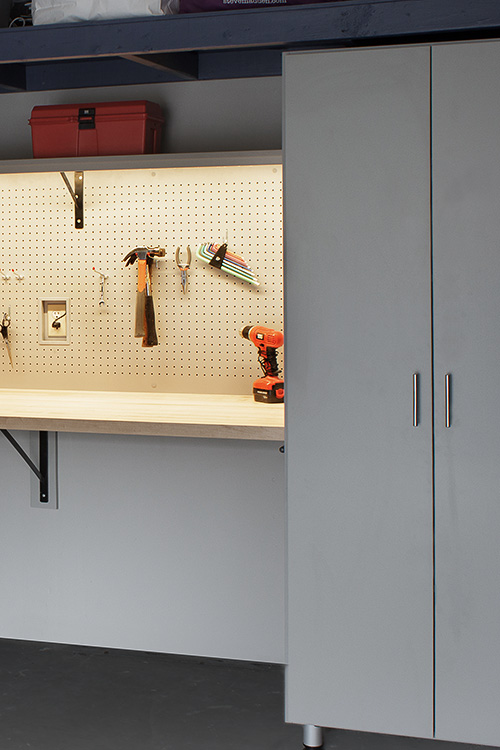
{"points": [[157, 257], [17, 275], [103, 278], [5, 276]]}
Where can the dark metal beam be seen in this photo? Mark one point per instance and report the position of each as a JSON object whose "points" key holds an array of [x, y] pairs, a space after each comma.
{"points": [[240, 64], [13, 77], [337, 23], [184, 65], [76, 74]]}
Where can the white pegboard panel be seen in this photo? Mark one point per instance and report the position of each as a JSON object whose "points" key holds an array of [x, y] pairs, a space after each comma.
{"points": [[200, 349]]}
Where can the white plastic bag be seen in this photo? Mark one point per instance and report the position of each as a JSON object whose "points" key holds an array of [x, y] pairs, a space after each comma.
{"points": [[62, 11]]}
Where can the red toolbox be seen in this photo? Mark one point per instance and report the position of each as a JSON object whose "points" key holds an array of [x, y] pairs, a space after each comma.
{"points": [[103, 129]]}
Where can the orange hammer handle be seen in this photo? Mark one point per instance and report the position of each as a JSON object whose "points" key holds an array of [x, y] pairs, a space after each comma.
{"points": [[141, 274]]}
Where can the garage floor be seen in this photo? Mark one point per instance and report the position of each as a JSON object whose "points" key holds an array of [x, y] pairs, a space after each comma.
{"points": [[57, 697]]}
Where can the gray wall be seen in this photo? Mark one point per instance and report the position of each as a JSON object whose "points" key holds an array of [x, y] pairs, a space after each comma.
{"points": [[200, 116], [162, 544]]}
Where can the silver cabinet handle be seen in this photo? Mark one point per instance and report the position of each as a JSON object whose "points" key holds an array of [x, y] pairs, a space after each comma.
{"points": [[415, 399], [447, 400]]}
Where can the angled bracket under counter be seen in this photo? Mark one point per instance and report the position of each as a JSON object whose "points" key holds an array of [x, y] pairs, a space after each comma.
{"points": [[44, 475]]}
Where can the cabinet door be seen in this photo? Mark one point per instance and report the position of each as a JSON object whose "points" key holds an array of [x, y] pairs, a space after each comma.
{"points": [[466, 210], [357, 287]]}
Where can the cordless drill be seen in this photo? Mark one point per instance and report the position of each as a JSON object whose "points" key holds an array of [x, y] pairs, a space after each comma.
{"points": [[271, 388]]}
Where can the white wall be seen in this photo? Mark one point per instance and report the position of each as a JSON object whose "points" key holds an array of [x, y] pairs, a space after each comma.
{"points": [[162, 544]]}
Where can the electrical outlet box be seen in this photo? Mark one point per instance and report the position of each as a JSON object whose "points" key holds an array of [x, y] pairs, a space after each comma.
{"points": [[54, 328]]}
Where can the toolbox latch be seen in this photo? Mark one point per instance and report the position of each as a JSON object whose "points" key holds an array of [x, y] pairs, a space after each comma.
{"points": [[86, 118]]}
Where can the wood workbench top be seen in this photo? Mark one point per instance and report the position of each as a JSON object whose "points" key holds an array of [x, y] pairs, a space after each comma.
{"points": [[176, 414]]}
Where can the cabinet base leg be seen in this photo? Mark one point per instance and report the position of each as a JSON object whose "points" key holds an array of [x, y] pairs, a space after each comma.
{"points": [[313, 736]]}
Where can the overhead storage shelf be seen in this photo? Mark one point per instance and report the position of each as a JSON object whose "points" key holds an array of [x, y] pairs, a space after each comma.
{"points": [[226, 44]]}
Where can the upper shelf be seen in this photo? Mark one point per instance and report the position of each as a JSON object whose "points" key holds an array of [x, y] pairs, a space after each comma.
{"points": [[141, 161], [226, 44]]}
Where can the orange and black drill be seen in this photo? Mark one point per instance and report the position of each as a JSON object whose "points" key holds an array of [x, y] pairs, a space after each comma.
{"points": [[271, 388]]}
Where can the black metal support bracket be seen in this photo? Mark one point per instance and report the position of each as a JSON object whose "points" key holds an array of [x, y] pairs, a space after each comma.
{"points": [[42, 470], [77, 195]]}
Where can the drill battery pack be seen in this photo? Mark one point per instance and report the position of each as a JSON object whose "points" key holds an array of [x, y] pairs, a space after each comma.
{"points": [[269, 390]]}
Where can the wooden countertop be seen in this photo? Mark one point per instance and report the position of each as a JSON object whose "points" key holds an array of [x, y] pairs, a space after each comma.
{"points": [[176, 414]]}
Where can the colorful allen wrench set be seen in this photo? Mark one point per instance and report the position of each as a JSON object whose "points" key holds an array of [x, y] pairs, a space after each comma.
{"points": [[219, 256]]}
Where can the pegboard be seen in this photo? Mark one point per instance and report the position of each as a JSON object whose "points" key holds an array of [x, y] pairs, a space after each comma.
{"points": [[200, 349]]}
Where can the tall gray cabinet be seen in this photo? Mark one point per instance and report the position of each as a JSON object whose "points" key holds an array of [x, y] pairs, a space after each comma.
{"points": [[392, 304]]}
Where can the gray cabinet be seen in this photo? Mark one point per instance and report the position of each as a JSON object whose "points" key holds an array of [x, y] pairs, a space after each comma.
{"points": [[357, 324], [466, 188], [392, 212]]}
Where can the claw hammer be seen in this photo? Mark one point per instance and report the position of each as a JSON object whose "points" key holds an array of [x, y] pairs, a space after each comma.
{"points": [[144, 309]]}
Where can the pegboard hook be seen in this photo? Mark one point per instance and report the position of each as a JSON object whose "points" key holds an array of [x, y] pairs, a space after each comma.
{"points": [[157, 256], [5, 276], [103, 278], [77, 195]]}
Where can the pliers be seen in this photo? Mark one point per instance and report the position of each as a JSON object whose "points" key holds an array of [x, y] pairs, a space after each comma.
{"points": [[183, 267]]}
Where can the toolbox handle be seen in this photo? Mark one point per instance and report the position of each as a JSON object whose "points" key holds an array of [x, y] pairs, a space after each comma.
{"points": [[86, 118]]}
